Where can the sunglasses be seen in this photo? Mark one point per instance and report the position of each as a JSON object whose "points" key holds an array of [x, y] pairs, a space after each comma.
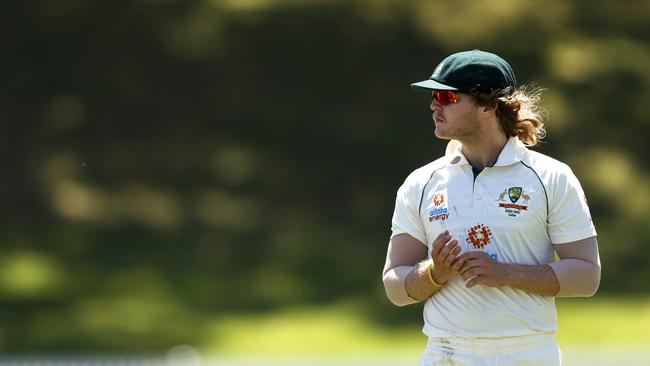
{"points": [[445, 97]]}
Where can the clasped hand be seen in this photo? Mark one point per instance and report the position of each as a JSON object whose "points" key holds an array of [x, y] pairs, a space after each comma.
{"points": [[476, 267]]}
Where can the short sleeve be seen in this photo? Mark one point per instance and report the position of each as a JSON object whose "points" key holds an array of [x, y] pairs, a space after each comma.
{"points": [[406, 217], [569, 218]]}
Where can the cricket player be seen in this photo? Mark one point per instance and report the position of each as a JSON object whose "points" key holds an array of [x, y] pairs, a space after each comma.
{"points": [[475, 233]]}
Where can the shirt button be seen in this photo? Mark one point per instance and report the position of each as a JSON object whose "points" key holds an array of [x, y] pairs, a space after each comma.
{"points": [[478, 198]]}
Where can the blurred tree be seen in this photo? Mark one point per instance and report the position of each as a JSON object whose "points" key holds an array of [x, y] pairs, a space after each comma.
{"points": [[169, 161]]}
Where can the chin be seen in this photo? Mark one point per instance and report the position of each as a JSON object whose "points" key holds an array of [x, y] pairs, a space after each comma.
{"points": [[441, 135]]}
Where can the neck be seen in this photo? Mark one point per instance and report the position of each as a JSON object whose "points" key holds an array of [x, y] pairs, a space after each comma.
{"points": [[482, 152]]}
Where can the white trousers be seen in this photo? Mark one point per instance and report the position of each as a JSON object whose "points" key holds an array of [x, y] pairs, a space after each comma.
{"points": [[535, 350]]}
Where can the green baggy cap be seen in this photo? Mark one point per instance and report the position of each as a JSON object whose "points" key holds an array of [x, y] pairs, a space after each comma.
{"points": [[476, 71]]}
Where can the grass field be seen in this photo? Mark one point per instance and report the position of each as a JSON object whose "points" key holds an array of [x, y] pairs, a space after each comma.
{"points": [[597, 331], [600, 331]]}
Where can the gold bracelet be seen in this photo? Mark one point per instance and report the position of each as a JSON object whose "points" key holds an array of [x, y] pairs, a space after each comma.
{"points": [[430, 273]]}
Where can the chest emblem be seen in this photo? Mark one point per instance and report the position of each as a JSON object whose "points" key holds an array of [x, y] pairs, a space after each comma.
{"points": [[440, 211], [514, 194], [479, 236], [438, 199]]}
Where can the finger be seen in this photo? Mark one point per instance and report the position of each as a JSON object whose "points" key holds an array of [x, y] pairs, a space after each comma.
{"points": [[452, 255], [442, 254], [473, 259], [441, 237], [475, 254], [459, 261], [471, 273], [446, 232], [449, 246], [484, 280], [466, 275], [474, 281], [481, 255], [463, 269], [455, 252], [438, 244], [469, 264], [464, 257], [456, 264]]}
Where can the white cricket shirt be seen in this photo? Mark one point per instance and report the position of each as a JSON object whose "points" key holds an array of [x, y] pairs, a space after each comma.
{"points": [[514, 211]]}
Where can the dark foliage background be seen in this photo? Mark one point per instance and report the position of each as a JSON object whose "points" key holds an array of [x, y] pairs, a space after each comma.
{"points": [[168, 161]]}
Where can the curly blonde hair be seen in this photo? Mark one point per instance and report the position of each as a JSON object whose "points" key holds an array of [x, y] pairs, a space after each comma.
{"points": [[519, 112]]}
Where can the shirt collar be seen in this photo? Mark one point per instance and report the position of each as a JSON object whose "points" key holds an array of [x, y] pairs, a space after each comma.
{"points": [[512, 152]]}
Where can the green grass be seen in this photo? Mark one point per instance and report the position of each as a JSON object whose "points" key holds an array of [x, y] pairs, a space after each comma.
{"points": [[342, 330], [604, 321], [333, 330]]}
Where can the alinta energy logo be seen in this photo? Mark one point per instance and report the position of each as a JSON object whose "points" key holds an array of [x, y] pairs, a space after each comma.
{"points": [[438, 199], [440, 211], [514, 194], [479, 236]]}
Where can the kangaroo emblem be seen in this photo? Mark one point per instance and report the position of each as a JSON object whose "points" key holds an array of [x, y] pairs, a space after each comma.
{"points": [[525, 197], [502, 195]]}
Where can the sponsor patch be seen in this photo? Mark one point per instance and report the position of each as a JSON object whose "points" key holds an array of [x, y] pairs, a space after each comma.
{"points": [[479, 236], [440, 211]]}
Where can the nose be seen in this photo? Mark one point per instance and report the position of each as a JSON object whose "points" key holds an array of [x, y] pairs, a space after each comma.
{"points": [[435, 106]]}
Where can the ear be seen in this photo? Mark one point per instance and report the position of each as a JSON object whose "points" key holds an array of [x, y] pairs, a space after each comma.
{"points": [[490, 107], [488, 112]]}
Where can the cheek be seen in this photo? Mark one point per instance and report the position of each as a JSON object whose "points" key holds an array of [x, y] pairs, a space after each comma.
{"points": [[467, 116]]}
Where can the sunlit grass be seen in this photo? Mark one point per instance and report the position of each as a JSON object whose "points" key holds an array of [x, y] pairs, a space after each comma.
{"points": [[343, 330], [333, 330], [604, 322]]}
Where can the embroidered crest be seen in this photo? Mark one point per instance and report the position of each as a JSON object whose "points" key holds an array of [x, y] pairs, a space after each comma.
{"points": [[514, 194]]}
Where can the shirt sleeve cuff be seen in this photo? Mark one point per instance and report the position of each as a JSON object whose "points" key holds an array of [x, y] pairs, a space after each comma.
{"points": [[566, 238]]}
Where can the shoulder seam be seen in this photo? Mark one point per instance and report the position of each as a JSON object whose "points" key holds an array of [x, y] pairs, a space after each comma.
{"points": [[543, 187], [425, 188]]}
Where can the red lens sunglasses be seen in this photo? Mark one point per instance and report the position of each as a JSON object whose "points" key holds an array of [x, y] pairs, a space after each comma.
{"points": [[445, 97]]}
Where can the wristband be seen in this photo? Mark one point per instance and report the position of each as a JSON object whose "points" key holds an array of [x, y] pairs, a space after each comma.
{"points": [[430, 273]]}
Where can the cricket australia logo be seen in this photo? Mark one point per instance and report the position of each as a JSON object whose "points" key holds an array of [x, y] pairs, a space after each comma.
{"points": [[479, 236], [514, 194], [440, 211]]}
